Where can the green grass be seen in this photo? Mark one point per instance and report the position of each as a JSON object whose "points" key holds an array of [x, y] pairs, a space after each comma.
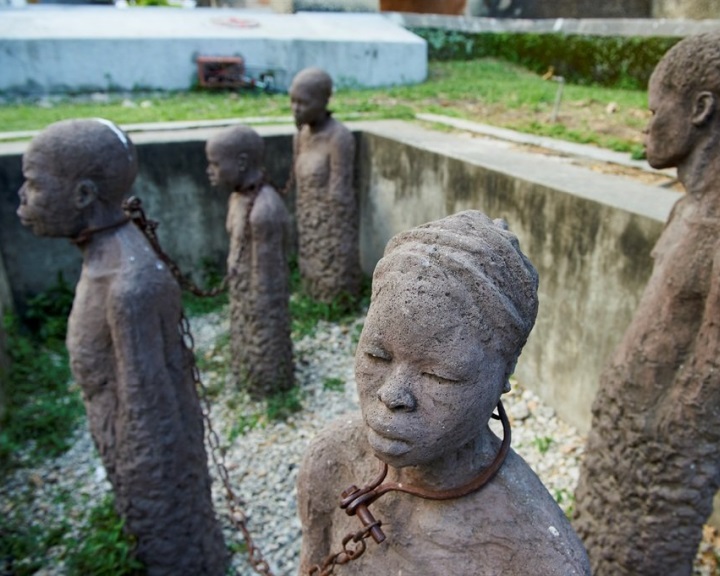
{"points": [[334, 384], [543, 443], [485, 90], [42, 409], [103, 548], [305, 312]]}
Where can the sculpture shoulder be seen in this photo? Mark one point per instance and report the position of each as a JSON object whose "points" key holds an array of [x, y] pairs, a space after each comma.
{"points": [[341, 134], [269, 208], [549, 541], [329, 458]]}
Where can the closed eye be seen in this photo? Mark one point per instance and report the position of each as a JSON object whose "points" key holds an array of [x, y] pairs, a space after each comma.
{"points": [[441, 379], [378, 354]]}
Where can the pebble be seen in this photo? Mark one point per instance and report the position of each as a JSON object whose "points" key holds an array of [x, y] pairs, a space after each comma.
{"points": [[263, 459]]}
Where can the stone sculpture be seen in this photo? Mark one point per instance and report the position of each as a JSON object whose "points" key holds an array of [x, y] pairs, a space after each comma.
{"points": [[257, 224], [652, 467], [125, 349], [453, 302], [326, 203]]}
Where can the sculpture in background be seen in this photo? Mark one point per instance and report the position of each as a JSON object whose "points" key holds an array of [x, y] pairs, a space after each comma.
{"points": [[453, 303], [326, 203], [651, 467], [125, 349], [257, 224]]}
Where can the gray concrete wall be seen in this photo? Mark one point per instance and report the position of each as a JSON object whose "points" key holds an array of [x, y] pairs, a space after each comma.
{"points": [[86, 48], [696, 9], [588, 234]]}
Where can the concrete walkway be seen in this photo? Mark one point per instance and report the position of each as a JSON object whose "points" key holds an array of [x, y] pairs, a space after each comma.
{"points": [[562, 147]]}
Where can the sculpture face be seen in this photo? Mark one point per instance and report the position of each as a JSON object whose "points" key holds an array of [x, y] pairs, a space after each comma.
{"points": [[47, 203], [427, 384], [224, 169], [307, 106], [668, 138]]}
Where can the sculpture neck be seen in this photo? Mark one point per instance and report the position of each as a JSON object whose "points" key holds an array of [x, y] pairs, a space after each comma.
{"points": [[700, 174], [455, 469], [252, 183], [101, 220], [320, 125]]}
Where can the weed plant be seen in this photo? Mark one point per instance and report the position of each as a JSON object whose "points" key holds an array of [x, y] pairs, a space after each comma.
{"points": [[103, 548], [611, 61], [42, 408], [306, 312]]}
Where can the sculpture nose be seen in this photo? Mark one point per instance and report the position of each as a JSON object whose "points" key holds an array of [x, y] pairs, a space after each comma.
{"points": [[22, 195], [396, 394]]}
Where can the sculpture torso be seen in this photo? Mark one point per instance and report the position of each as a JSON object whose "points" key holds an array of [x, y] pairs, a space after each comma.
{"points": [[327, 211], [143, 411], [259, 291], [509, 527], [655, 415], [674, 297]]}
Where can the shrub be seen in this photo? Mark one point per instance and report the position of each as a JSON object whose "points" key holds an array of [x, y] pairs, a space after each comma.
{"points": [[611, 61]]}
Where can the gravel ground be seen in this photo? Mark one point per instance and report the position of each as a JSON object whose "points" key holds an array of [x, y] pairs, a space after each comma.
{"points": [[263, 456]]}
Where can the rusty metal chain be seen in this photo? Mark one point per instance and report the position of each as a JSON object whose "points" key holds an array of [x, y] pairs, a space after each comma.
{"points": [[346, 554], [133, 209], [238, 518]]}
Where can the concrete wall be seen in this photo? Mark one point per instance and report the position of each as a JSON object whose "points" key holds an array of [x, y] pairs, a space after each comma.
{"points": [[696, 9], [589, 235], [60, 49]]}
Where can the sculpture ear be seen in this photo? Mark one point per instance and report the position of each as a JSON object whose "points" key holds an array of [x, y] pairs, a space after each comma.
{"points": [[85, 193], [704, 108], [242, 161]]}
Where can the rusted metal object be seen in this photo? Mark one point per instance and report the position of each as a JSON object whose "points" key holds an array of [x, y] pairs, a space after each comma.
{"points": [[221, 71]]}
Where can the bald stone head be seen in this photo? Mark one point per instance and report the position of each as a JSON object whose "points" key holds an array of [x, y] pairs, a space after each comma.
{"points": [[480, 260], [77, 173], [309, 96], [684, 94], [235, 157]]}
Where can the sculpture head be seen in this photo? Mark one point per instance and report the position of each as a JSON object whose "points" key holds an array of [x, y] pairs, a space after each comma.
{"points": [[453, 303], [683, 97], [75, 172], [235, 157], [309, 96]]}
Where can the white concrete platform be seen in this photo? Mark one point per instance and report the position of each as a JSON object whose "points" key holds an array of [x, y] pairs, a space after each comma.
{"points": [[46, 49]]}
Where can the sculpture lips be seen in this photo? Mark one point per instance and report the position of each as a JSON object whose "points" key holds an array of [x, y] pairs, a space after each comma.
{"points": [[387, 444]]}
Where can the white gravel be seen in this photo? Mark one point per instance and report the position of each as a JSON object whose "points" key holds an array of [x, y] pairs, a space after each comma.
{"points": [[263, 456]]}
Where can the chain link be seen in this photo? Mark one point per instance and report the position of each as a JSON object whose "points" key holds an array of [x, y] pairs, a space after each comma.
{"points": [[237, 516], [346, 554]]}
